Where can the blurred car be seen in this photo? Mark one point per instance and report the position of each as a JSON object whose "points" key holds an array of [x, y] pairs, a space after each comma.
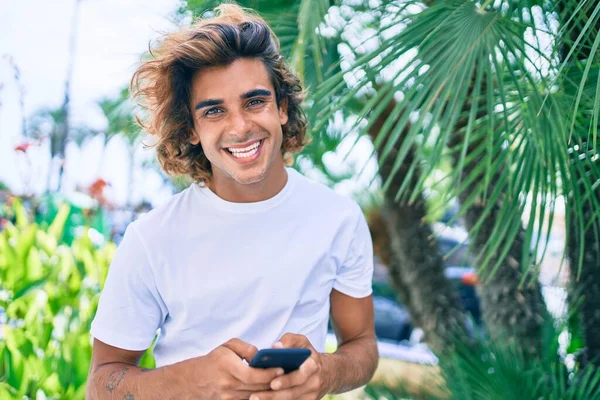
{"points": [[392, 319], [393, 323]]}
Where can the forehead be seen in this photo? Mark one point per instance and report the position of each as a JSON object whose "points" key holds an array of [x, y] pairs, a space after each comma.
{"points": [[232, 80]]}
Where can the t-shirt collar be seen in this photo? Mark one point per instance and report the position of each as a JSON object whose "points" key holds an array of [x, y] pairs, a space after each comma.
{"points": [[259, 206]]}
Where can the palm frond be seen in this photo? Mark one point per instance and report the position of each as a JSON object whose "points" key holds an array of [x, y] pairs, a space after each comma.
{"points": [[459, 58], [498, 369]]}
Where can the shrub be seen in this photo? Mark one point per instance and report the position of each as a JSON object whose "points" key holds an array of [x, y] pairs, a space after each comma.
{"points": [[49, 292]]}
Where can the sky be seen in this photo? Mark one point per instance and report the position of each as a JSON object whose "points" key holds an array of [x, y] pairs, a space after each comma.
{"points": [[112, 35]]}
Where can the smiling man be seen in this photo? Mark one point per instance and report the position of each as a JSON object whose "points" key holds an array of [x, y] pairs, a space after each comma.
{"points": [[252, 255]]}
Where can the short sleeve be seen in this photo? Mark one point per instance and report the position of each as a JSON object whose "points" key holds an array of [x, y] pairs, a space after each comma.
{"points": [[354, 277], [130, 309]]}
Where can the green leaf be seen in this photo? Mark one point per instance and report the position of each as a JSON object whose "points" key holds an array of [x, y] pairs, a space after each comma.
{"points": [[56, 227], [46, 242], [29, 287], [20, 213]]}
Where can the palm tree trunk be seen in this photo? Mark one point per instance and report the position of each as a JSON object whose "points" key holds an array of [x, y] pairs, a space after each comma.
{"points": [[415, 262], [49, 175], [507, 308], [64, 129], [585, 283], [584, 288]]}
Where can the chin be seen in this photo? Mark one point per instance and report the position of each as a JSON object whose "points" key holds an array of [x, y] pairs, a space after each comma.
{"points": [[249, 178]]}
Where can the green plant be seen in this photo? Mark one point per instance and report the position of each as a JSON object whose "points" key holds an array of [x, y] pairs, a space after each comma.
{"points": [[499, 369], [49, 292], [494, 370]]}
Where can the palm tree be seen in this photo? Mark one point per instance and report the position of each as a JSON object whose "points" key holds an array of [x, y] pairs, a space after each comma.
{"points": [[414, 259], [17, 78], [117, 122], [48, 124], [583, 245], [506, 135], [119, 113], [503, 299], [63, 130]]}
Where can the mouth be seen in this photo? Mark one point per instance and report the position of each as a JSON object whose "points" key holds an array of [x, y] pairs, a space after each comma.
{"points": [[247, 153]]}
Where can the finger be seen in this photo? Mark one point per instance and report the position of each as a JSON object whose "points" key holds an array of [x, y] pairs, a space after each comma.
{"points": [[246, 393], [296, 378], [294, 393], [253, 388], [242, 394], [248, 375], [293, 340], [242, 349]]}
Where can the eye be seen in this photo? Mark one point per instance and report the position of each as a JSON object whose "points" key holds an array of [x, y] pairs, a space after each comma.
{"points": [[255, 102], [213, 111]]}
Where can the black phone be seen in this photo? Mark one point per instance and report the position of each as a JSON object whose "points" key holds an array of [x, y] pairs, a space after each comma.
{"points": [[288, 359]]}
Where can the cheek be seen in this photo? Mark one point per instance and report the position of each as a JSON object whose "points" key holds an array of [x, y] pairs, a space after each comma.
{"points": [[279, 134], [208, 140]]}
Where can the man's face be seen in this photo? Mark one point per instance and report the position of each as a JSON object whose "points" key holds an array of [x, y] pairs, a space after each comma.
{"points": [[237, 121]]}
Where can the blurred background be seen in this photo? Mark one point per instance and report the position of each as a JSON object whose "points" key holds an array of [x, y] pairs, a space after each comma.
{"points": [[467, 131]]}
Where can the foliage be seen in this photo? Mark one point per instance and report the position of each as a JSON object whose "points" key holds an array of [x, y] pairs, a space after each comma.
{"points": [[46, 123], [88, 215], [379, 391], [49, 292], [119, 113], [498, 369]]}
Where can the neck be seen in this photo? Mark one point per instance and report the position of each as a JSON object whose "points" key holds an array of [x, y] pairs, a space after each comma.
{"points": [[230, 190]]}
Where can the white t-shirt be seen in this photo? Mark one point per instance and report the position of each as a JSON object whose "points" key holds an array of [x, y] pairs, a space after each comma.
{"points": [[203, 270]]}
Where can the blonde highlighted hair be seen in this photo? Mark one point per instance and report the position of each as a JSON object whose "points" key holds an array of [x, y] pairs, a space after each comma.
{"points": [[162, 84]]}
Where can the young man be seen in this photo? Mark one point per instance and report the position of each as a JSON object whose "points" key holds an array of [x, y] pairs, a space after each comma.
{"points": [[251, 255]]}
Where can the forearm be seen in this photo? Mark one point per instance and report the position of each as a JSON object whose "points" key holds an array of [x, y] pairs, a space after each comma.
{"points": [[127, 382], [352, 365]]}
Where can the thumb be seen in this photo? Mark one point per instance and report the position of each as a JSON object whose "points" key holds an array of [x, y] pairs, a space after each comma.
{"points": [[242, 349], [291, 340]]}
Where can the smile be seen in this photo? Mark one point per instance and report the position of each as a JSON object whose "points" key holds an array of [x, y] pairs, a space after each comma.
{"points": [[245, 152]]}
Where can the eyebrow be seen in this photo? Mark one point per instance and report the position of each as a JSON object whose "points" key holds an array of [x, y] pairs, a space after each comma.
{"points": [[256, 92], [208, 103], [247, 95]]}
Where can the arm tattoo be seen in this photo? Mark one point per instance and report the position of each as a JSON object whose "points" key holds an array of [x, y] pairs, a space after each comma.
{"points": [[128, 396], [115, 378], [146, 370]]}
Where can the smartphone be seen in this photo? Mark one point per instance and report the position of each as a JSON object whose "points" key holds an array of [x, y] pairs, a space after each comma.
{"points": [[288, 359]]}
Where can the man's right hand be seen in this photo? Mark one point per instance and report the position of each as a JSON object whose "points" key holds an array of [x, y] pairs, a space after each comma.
{"points": [[220, 374], [228, 376]]}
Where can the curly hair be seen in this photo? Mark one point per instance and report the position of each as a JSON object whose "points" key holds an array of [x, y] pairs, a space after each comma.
{"points": [[162, 85]]}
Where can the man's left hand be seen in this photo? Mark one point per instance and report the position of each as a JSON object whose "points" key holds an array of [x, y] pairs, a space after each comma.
{"points": [[306, 383]]}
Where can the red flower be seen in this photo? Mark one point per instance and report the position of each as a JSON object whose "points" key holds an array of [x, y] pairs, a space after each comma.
{"points": [[96, 190], [24, 146]]}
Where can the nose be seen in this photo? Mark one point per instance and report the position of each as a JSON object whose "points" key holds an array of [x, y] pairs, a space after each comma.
{"points": [[239, 123]]}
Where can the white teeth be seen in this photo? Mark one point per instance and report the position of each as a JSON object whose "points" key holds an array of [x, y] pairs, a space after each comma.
{"points": [[246, 151], [245, 155]]}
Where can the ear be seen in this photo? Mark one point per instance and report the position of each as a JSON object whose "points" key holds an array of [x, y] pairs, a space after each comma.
{"points": [[194, 137], [283, 111]]}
